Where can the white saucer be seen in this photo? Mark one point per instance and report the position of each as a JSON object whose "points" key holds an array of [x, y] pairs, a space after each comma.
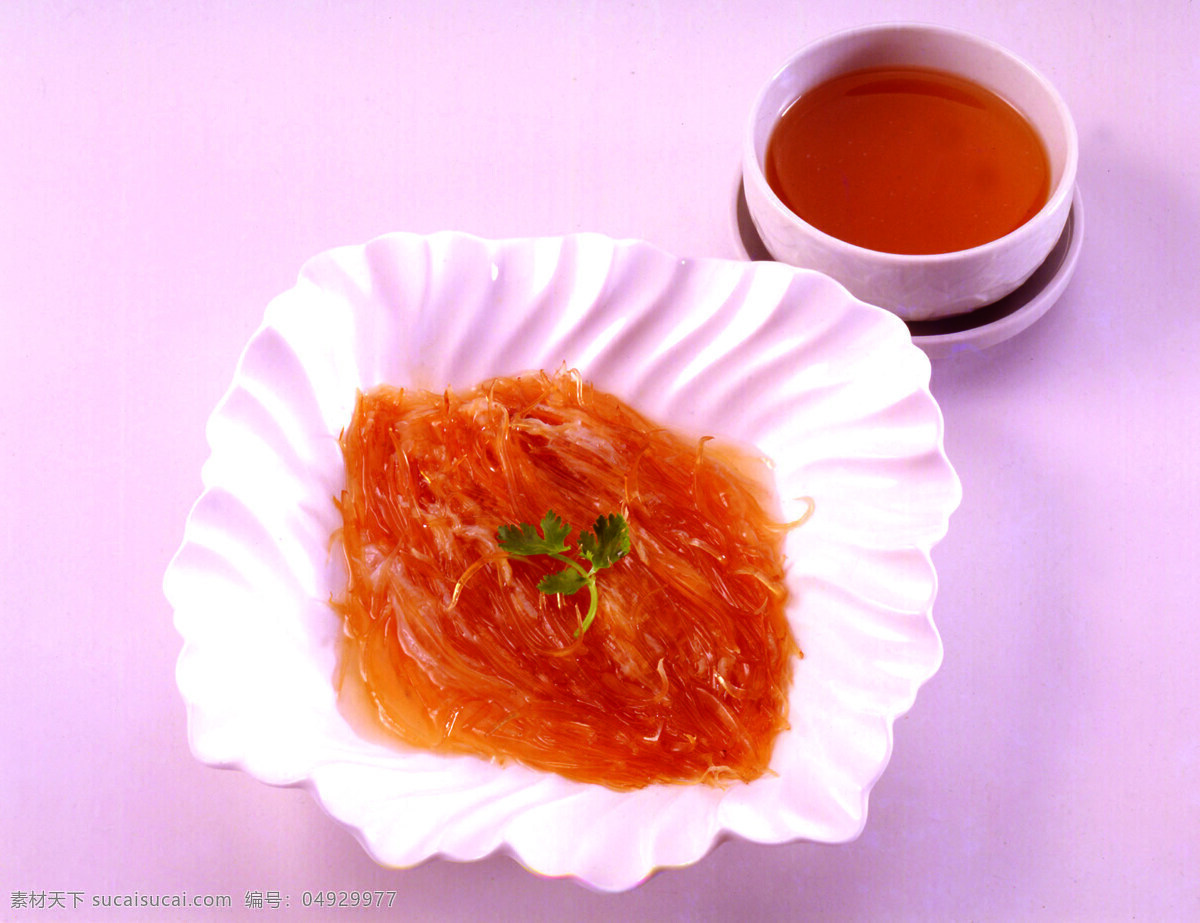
{"points": [[983, 327], [1004, 319]]}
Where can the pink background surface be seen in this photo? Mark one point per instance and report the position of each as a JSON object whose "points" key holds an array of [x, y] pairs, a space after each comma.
{"points": [[165, 168]]}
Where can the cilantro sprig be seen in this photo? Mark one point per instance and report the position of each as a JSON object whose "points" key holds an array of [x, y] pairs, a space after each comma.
{"points": [[603, 547]]}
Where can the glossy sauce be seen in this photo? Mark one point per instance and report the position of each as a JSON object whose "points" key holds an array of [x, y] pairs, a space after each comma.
{"points": [[684, 675], [908, 160]]}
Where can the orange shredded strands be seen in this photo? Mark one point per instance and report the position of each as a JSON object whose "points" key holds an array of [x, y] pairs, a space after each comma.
{"points": [[683, 676]]}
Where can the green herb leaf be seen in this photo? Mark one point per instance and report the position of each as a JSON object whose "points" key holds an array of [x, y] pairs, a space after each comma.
{"points": [[564, 583], [607, 543], [603, 547], [524, 540]]}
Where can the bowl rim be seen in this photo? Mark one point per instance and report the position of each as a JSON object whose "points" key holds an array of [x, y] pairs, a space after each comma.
{"points": [[1058, 202]]}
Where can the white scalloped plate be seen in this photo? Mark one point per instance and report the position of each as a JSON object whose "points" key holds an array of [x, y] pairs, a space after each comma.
{"points": [[830, 388]]}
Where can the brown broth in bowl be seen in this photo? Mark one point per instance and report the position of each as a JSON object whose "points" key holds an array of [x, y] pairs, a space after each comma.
{"points": [[908, 160]]}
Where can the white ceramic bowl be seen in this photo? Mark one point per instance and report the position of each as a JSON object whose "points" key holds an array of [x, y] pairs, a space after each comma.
{"points": [[833, 390], [922, 286]]}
